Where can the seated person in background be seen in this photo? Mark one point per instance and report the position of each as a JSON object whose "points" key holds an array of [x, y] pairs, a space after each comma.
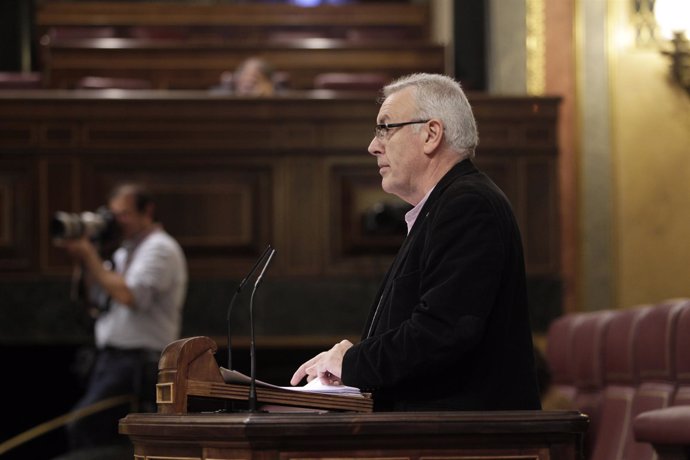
{"points": [[254, 77]]}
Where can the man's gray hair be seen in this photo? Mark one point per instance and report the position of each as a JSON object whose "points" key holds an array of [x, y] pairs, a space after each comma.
{"points": [[441, 97]]}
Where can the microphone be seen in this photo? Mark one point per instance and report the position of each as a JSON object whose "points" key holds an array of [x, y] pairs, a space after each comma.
{"points": [[252, 346], [234, 297]]}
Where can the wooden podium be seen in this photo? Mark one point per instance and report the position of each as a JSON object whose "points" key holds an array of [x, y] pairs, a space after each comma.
{"points": [[188, 372], [533, 435], [344, 430]]}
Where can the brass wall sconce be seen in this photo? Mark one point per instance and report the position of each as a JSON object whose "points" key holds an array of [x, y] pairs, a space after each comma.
{"points": [[673, 26]]}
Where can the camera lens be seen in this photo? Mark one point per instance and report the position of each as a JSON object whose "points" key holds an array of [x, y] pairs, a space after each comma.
{"points": [[65, 225]]}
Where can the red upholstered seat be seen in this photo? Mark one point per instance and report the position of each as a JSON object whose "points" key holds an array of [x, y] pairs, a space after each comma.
{"points": [[20, 80], [559, 354], [281, 80], [588, 367], [668, 428], [682, 358], [290, 36], [68, 32], [627, 369], [114, 83], [160, 32], [389, 34], [654, 354], [620, 386]]}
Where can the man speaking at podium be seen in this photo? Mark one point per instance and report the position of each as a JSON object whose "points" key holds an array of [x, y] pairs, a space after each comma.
{"points": [[449, 328]]}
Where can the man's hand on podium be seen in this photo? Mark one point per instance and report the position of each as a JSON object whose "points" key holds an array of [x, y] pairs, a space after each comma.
{"points": [[327, 366]]}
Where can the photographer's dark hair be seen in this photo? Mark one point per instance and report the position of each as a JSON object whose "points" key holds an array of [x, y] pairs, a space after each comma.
{"points": [[142, 195]]}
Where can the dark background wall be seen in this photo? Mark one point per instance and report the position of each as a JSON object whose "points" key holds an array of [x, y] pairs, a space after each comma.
{"points": [[17, 48], [469, 36]]}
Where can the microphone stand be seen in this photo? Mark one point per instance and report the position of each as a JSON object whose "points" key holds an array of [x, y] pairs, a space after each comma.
{"points": [[252, 345], [234, 297]]}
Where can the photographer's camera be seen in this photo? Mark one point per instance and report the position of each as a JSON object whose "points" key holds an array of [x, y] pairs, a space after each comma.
{"points": [[99, 226]]}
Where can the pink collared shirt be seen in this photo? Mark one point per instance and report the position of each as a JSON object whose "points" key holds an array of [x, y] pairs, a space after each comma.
{"points": [[412, 214]]}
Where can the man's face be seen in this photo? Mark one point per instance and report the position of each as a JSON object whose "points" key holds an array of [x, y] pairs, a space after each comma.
{"points": [[399, 152], [129, 219]]}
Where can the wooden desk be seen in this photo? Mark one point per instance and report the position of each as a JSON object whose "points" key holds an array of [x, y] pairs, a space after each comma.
{"points": [[519, 435]]}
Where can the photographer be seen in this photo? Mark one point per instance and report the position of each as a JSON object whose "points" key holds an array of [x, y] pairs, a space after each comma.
{"points": [[141, 301]]}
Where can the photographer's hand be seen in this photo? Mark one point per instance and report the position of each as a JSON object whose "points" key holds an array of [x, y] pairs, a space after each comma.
{"points": [[78, 248], [114, 283]]}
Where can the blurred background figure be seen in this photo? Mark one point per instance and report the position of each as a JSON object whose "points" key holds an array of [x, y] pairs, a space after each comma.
{"points": [[138, 297], [254, 77]]}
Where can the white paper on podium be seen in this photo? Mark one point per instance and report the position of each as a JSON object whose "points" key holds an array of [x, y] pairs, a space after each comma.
{"points": [[315, 386]]}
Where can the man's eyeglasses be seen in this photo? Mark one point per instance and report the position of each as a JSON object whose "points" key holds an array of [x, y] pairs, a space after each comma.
{"points": [[382, 129]]}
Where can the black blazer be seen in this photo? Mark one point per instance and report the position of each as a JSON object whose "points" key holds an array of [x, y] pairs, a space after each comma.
{"points": [[449, 329]]}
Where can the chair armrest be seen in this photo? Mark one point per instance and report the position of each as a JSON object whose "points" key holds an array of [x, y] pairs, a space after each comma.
{"points": [[669, 426]]}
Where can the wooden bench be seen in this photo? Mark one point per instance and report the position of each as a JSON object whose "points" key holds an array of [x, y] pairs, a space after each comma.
{"points": [[188, 46], [182, 64]]}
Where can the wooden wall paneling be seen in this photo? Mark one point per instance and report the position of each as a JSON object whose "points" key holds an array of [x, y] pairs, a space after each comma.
{"points": [[296, 166], [529, 185], [351, 135], [59, 189], [248, 21], [354, 190], [503, 171], [302, 201], [228, 126], [17, 213], [540, 214], [204, 133], [59, 134], [234, 174], [219, 209], [518, 148], [18, 134], [516, 123]]}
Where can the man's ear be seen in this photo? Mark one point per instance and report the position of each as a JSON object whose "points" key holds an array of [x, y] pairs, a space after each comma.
{"points": [[434, 136]]}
